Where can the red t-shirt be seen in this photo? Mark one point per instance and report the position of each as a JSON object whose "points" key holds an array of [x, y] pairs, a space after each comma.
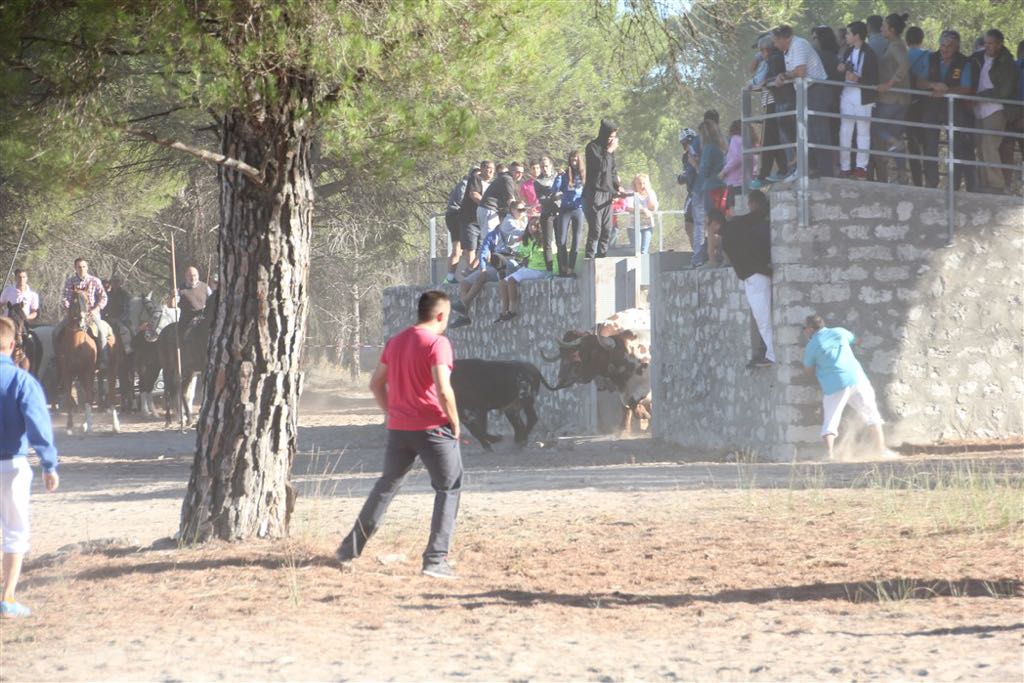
{"points": [[413, 402]]}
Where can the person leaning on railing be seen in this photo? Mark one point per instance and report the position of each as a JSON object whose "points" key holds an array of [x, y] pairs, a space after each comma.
{"points": [[918, 57], [949, 72], [770, 65], [859, 65], [1015, 124], [995, 76], [803, 62], [893, 72]]}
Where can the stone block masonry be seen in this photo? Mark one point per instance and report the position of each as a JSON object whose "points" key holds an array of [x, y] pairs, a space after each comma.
{"points": [[941, 328]]}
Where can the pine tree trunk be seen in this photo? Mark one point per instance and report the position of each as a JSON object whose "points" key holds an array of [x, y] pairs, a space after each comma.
{"points": [[240, 483]]}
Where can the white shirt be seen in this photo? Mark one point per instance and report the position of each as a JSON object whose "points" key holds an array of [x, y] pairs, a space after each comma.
{"points": [[985, 109], [28, 299], [801, 52], [851, 96]]}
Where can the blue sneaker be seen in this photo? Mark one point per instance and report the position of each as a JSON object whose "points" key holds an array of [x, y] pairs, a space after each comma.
{"points": [[450, 280], [756, 184], [13, 610], [775, 178]]}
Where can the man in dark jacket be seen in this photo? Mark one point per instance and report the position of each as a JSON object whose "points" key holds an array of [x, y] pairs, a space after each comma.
{"points": [[994, 74], [746, 240], [602, 183], [949, 71], [452, 222], [502, 191]]}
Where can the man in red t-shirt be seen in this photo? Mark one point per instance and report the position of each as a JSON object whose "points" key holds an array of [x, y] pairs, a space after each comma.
{"points": [[412, 385]]}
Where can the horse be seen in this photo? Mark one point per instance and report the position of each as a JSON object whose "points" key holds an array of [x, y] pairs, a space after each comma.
{"points": [[148, 318], [75, 352], [193, 344], [28, 350]]}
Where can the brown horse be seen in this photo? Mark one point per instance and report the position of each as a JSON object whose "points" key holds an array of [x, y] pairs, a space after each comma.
{"points": [[75, 352], [28, 350]]}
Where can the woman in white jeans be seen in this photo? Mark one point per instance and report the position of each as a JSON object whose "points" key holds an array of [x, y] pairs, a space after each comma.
{"points": [[859, 65]]}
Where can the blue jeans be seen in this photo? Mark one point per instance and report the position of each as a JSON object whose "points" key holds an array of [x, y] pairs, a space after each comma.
{"points": [[569, 242], [700, 214], [889, 132], [645, 240], [439, 451]]}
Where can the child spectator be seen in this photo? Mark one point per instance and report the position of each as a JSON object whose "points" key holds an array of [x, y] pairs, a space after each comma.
{"points": [[732, 171], [530, 255], [859, 66], [647, 201]]}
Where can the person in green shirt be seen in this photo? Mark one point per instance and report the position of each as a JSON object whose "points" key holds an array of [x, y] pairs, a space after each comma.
{"points": [[534, 267]]}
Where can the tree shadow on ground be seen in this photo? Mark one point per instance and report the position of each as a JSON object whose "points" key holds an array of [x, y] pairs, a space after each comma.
{"points": [[889, 590]]}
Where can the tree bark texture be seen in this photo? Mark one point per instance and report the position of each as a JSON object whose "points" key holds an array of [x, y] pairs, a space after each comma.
{"points": [[240, 483]]}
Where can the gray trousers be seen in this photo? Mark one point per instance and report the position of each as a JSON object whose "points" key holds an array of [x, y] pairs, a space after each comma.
{"points": [[440, 453]]}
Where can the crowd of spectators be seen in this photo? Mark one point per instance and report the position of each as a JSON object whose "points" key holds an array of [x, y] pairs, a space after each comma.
{"points": [[908, 78]]}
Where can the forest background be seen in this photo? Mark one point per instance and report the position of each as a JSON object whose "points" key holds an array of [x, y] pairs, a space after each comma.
{"points": [[507, 80]]}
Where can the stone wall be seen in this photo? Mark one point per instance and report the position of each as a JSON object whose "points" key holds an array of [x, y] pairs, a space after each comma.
{"points": [[703, 396], [940, 327]]}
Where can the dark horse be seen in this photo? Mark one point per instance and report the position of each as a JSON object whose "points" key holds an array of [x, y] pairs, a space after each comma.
{"points": [[28, 350], [193, 343]]}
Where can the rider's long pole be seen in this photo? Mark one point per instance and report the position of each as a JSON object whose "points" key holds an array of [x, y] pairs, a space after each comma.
{"points": [[177, 340], [10, 270]]}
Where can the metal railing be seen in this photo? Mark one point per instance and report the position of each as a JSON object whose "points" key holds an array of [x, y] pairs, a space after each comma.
{"points": [[802, 144]]}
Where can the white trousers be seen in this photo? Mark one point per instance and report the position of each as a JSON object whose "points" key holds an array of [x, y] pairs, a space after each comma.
{"points": [[861, 396], [846, 127], [758, 288], [15, 486]]}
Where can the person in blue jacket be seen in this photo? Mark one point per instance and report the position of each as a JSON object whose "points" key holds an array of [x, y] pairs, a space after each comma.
{"points": [[24, 420], [568, 186]]}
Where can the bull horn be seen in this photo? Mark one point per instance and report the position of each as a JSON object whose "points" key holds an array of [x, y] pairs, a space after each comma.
{"points": [[606, 342], [548, 358], [574, 344]]}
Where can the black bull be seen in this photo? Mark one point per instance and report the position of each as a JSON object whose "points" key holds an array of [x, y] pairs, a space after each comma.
{"points": [[508, 386]]}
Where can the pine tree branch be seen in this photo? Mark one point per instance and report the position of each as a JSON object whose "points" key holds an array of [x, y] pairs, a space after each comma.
{"points": [[245, 169]]}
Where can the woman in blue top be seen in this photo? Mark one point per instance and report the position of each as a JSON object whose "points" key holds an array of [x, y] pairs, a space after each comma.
{"points": [[569, 185], [712, 160]]}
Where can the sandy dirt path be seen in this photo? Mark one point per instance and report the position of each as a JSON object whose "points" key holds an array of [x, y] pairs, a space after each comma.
{"points": [[610, 560]]}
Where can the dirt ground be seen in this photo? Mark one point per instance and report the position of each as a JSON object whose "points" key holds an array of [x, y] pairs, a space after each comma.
{"points": [[606, 559]]}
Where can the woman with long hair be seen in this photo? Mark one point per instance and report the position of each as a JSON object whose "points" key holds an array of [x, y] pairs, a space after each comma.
{"points": [[568, 186], [647, 200], [709, 189], [893, 72]]}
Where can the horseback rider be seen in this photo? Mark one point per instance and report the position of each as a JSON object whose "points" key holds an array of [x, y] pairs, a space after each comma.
{"points": [[21, 293], [96, 298], [117, 311], [191, 298]]}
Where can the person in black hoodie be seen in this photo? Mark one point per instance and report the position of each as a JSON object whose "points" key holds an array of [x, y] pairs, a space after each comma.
{"points": [[602, 183], [747, 241]]}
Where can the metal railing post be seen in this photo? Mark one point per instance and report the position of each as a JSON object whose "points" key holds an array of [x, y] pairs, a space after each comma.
{"points": [[636, 226], [661, 232], [748, 140], [433, 248], [801, 151], [950, 171]]}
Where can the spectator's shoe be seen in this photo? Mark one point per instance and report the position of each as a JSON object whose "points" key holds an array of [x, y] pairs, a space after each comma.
{"points": [[775, 178], [439, 570], [756, 184], [461, 322], [459, 307], [450, 280], [760, 363], [845, 174], [504, 318], [791, 178], [549, 275], [860, 173], [14, 610]]}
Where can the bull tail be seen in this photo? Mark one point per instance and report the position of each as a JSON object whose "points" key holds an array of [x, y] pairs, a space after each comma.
{"points": [[545, 382]]}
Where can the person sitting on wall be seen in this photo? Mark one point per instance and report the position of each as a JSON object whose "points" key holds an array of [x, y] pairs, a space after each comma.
{"points": [[530, 255], [495, 260], [829, 355]]}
